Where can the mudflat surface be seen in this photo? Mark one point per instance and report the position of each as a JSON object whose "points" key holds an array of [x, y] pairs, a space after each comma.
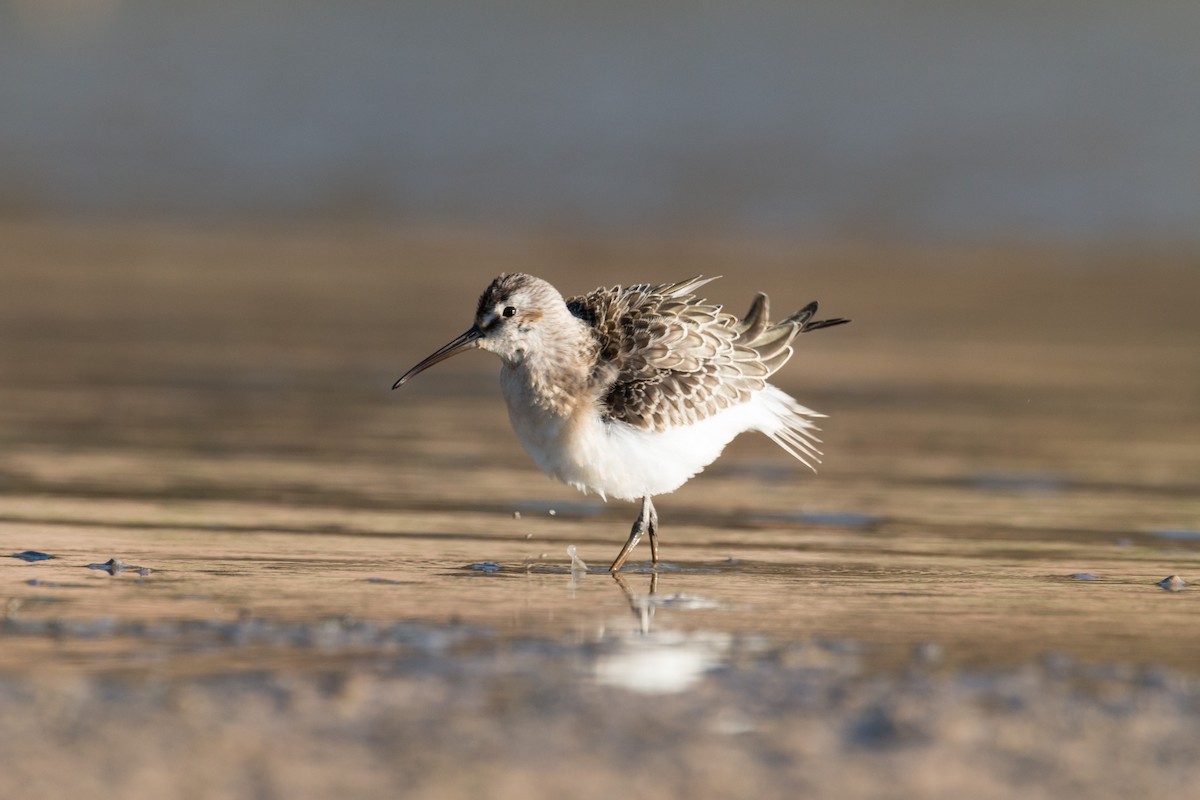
{"points": [[327, 586]]}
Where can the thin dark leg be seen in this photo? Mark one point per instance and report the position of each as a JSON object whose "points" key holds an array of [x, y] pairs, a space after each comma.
{"points": [[640, 527], [652, 529]]}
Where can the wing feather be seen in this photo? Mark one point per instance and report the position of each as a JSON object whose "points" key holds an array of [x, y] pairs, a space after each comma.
{"points": [[669, 358]]}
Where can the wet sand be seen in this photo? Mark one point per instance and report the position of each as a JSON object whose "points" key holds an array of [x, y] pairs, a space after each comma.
{"points": [[331, 586]]}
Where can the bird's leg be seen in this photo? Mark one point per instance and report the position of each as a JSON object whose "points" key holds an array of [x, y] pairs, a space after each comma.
{"points": [[652, 529], [640, 527]]}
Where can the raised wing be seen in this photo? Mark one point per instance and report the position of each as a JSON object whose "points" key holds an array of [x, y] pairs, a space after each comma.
{"points": [[668, 358]]}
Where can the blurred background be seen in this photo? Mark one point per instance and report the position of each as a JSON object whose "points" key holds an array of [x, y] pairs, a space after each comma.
{"points": [[1072, 121]]}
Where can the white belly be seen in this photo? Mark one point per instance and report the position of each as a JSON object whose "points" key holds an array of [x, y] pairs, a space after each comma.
{"points": [[618, 460]]}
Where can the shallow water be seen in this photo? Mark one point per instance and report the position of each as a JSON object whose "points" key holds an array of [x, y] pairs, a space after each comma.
{"points": [[310, 560], [999, 601]]}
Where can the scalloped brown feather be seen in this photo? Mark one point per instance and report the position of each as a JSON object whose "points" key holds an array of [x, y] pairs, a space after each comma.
{"points": [[668, 358]]}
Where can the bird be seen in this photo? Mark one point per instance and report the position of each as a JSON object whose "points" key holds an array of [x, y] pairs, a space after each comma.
{"points": [[631, 391]]}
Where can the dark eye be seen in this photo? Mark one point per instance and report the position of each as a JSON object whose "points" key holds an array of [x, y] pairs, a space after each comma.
{"points": [[508, 311]]}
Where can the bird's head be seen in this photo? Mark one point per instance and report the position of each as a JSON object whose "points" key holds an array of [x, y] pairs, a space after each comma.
{"points": [[516, 313]]}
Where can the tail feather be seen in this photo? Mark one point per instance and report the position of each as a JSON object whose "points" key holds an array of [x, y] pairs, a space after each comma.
{"points": [[773, 343], [822, 323], [792, 427], [776, 360], [802, 316], [789, 424], [754, 324]]}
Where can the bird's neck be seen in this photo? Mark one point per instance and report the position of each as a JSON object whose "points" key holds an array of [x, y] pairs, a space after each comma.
{"points": [[557, 375]]}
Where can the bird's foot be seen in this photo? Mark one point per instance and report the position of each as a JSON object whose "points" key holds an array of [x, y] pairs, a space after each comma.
{"points": [[635, 536], [647, 522]]}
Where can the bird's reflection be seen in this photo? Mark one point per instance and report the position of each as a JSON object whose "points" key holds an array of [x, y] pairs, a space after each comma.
{"points": [[658, 661], [642, 605]]}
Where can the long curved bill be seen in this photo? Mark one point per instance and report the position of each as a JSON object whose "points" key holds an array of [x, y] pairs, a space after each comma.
{"points": [[468, 341]]}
